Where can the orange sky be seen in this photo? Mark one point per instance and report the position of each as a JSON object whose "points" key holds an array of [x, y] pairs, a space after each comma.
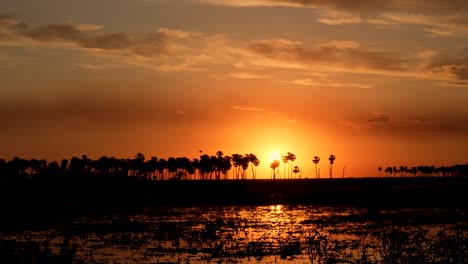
{"points": [[376, 83]]}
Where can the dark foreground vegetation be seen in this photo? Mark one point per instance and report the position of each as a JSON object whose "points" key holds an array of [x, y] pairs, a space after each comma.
{"points": [[247, 234]]}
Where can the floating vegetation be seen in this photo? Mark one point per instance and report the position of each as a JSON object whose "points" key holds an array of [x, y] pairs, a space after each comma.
{"points": [[231, 234]]}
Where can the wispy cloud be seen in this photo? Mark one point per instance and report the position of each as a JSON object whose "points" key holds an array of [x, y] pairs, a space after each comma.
{"points": [[341, 57], [248, 75], [88, 36], [172, 50], [445, 18], [379, 118], [243, 108], [455, 74]]}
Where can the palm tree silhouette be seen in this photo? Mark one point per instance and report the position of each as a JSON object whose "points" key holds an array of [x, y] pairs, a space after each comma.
{"points": [[161, 167], [285, 160], [153, 167], [205, 165], [332, 160], [292, 158], [296, 171], [389, 170], [316, 160], [196, 168], [274, 166], [255, 161], [380, 171], [245, 166], [237, 163], [226, 166]]}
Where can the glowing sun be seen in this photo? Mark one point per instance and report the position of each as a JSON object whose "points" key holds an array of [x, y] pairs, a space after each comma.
{"points": [[275, 156]]}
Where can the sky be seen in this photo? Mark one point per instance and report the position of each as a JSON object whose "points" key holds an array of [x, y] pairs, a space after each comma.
{"points": [[376, 83]]}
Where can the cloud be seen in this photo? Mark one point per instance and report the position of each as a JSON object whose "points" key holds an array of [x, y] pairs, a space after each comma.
{"points": [[327, 83], [248, 75], [379, 118], [54, 32], [458, 72], [347, 57], [441, 123], [455, 74], [171, 50], [437, 17], [107, 41], [341, 44], [175, 33], [88, 36], [357, 6], [453, 24], [242, 108], [339, 18]]}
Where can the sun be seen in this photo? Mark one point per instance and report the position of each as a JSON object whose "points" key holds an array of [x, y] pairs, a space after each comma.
{"points": [[274, 155]]}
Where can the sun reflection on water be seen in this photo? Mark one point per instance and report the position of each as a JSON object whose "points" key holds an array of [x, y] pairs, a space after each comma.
{"points": [[249, 234], [277, 209]]}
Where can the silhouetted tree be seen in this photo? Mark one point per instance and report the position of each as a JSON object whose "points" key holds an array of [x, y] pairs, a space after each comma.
{"points": [[64, 165], [285, 161], [274, 166], [35, 166], [380, 171], [255, 162], [196, 168], [332, 160], [152, 165], [226, 166], [296, 171], [245, 165], [237, 164], [206, 167], [292, 158], [161, 167], [316, 160]]}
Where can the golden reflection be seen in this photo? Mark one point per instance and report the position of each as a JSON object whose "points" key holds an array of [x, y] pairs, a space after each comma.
{"points": [[277, 209]]}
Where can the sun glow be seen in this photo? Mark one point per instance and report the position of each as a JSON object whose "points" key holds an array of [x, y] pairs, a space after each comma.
{"points": [[275, 156]]}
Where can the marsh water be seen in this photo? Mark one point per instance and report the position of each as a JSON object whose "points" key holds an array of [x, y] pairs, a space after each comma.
{"points": [[253, 234]]}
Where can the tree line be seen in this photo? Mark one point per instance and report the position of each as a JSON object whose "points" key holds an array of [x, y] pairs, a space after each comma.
{"points": [[459, 170], [207, 167]]}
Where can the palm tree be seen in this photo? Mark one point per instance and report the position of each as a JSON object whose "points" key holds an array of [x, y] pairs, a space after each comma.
{"points": [[389, 170], [274, 166], [237, 163], [296, 170], [196, 168], [285, 160], [255, 162], [218, 164], [380, 171], [35, 166], [161, 167], [152, 167], [226, 166], [316, 160], [332, 160], [292, 158], [245, 166]]}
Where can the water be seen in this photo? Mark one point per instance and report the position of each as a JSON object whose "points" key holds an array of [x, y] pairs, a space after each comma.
{"points": [[253, 234]]}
